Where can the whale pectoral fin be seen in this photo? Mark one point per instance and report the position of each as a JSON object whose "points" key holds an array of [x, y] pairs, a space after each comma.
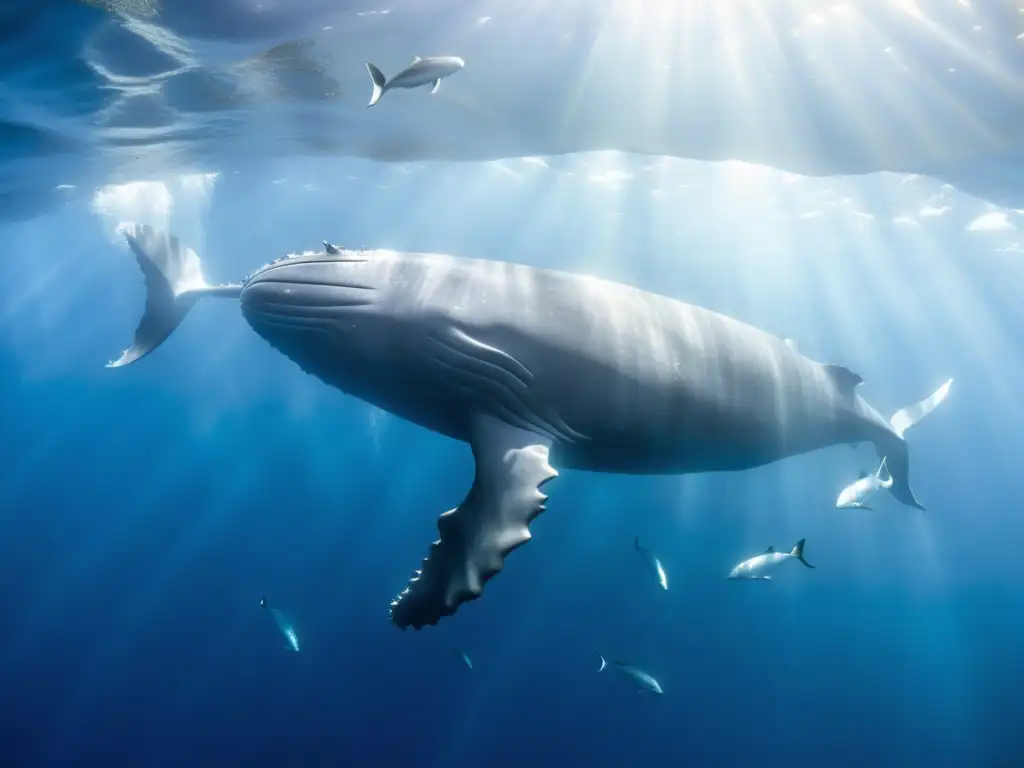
{"points": [[476, 536], [437, 84]]}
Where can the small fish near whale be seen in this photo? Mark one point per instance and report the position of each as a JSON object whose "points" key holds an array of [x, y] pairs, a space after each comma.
{"points": [[640, 679], [503, 356], [761, 567], [853, 496], [652, 562], [283, 624], [429, 71]]}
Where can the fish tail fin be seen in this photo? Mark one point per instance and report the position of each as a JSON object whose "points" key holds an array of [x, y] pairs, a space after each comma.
{"points": [[883, 472], [263, 602], [907, 417], [603, 663], [636, 543], [380, 83], [174, 282], [798, 553]]}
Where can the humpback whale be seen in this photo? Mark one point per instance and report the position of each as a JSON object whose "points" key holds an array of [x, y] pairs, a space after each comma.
{"points": [[534, 369]]}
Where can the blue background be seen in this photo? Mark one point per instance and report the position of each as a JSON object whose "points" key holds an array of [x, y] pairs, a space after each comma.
{"points": [[145, 510]]}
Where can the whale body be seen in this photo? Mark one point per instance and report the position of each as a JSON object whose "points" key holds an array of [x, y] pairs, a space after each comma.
{"points": [[535, 369]]}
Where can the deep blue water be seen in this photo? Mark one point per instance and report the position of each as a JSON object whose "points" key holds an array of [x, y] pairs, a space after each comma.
{"points": [[144, 511]]}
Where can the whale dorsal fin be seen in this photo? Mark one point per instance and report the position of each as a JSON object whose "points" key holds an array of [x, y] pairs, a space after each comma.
{"points": [[416, 59], [493, 519], [770, 550], [862, 474], [845, 380], [330, 248]]}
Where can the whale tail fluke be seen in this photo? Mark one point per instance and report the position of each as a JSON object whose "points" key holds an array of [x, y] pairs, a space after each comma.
{"points": [[380, 83], [895, 453], [897, 464], [174, 282], [907, 417]]}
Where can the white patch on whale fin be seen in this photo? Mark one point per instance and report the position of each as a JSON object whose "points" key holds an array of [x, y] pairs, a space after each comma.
{"points": [[907, 417], [846, 381], [437, 84], [174, 281], [493, 519]]}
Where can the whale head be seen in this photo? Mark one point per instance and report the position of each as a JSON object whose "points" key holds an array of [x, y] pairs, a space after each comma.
{"points": [[447, 65], [313, 306]]}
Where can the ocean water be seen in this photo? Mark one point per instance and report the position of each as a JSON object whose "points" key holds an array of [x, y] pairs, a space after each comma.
{"points": [[845, 175]]}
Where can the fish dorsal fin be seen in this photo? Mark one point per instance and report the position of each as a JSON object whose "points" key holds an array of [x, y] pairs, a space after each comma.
{"points": [[770, 550], [862, 474], [845, 380], [416, 59]]}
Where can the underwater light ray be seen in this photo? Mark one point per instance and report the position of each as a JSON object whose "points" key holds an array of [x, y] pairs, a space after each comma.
{"points": [[904, 45], [39, 300], [755, 66], [547, 210], [1006, 80], [116, 536], [323, 530], [182, 553], [179, 558], [835, 43]]}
